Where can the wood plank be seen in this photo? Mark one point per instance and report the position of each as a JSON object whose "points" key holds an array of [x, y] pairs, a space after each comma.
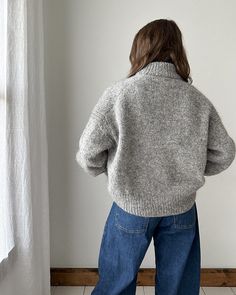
{"points": [[210, 277], [218, 291], [218, 277], [74, 276]]}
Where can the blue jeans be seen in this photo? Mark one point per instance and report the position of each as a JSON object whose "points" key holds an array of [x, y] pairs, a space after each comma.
{"points": [[126, 238]]}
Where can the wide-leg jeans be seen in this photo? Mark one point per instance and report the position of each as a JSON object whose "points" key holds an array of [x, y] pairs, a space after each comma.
{"points": [[126, 238]]}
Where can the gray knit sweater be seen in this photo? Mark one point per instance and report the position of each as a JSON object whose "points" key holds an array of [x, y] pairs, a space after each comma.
{"points": [[155, 137]]}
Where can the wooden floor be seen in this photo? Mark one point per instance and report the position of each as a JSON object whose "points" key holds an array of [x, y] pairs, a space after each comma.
{"points": [[140, 290]]}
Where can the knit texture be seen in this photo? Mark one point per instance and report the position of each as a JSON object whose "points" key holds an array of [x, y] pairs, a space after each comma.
{"points": [[155, 136]]}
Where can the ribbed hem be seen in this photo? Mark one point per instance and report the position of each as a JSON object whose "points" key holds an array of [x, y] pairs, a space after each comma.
{"points": [[154, 207]]}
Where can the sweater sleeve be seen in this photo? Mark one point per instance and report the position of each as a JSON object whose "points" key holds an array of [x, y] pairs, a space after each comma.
{"points": [[94, 145], [220, 148]]}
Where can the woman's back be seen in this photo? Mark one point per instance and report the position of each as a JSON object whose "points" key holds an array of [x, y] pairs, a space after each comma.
{"points": [[150, 134]]}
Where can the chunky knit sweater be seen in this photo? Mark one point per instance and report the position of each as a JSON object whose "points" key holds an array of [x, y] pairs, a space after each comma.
{"points": [[155, 136]]}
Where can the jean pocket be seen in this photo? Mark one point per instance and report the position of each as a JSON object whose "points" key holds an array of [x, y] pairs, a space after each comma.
{"points": [[185, 220], [130, 223]]}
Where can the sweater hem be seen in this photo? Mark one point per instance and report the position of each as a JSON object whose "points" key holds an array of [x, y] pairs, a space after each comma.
{"points": [[153, 208]]}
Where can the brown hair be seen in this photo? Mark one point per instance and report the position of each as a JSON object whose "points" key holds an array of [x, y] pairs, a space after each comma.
{"points": [[159, 40]]}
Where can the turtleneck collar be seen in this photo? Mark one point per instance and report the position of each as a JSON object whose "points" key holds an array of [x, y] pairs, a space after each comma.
{"points": [[160, 68]]}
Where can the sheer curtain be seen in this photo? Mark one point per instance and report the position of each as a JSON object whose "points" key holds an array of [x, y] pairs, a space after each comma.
{"points": [[25, 270], [6, 229]]}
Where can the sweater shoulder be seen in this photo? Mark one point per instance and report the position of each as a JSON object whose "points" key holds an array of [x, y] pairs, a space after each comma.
{"points": [[122, 86], [114, 92], [198, 95]]}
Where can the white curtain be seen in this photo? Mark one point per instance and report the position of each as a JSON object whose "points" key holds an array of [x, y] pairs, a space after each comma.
{"points": [[6, 225], [26, 268]]}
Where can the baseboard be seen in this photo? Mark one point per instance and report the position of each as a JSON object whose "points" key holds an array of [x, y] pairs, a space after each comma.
{"points": [[210, 277]]}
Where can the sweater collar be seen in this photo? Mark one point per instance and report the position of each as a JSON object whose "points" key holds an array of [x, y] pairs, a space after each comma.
{"points": [[160, 68]]}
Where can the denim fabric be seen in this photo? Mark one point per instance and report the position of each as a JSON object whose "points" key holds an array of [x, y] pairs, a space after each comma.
{"points": [[126, 238]]}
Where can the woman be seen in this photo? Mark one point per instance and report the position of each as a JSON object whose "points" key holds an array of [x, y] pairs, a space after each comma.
{"points": [[155, 136]]}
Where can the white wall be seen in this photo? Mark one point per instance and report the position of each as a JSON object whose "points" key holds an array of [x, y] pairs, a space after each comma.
{"points": [[87, 48]]}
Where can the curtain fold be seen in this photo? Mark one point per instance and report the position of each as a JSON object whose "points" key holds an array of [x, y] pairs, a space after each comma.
{"points": [[26, 271]]}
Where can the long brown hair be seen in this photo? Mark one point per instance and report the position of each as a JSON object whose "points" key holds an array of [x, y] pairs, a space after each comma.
{"points": [[159, 40]]}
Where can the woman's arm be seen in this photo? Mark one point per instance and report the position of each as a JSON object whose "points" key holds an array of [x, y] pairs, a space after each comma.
{"points": [[221, 147], [94, 144], [97, 137]]}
